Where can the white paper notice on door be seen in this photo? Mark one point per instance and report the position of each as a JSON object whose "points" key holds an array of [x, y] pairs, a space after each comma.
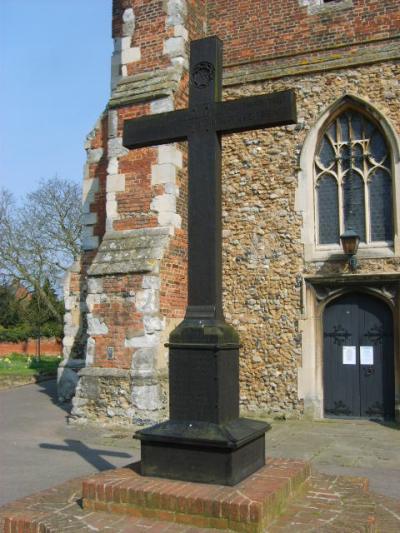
{"points": [[349, 355], [366, 355]]}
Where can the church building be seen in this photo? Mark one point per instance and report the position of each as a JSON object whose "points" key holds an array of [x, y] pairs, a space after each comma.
{"points": [[310, 215]]}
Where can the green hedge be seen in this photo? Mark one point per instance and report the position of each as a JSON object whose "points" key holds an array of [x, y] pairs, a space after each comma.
{"points": [[24, 332]]}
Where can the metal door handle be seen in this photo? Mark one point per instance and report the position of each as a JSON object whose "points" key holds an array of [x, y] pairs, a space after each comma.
{"points": [[369, 371]]}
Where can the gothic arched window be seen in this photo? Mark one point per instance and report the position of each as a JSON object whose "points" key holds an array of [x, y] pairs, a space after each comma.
{"points": [[353, 181]]}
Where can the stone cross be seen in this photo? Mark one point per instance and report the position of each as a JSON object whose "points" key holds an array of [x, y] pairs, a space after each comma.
{"points": [[205, 440]]}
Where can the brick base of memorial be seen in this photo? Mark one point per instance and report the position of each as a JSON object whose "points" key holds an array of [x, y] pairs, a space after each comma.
{"points": [[248, 506], [123, 500]]}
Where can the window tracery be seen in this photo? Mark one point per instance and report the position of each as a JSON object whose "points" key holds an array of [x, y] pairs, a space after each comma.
{"points": [[353, 182]]}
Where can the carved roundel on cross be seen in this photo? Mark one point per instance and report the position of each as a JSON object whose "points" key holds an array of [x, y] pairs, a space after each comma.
{"points": [[202, 74]]}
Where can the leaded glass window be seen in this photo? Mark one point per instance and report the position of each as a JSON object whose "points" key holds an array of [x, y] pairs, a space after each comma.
{"points": [[353, 183]]}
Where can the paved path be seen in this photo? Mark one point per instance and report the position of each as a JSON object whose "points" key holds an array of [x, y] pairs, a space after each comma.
{"points": [[40, 449], [343, 447]]}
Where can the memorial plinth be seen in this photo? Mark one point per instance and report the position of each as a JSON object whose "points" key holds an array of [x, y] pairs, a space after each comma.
{"points": [[205, 440], [250, 506]]}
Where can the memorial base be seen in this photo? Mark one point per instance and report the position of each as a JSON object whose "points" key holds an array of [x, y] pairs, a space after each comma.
{"points": [[221, 454], [249, 507]]}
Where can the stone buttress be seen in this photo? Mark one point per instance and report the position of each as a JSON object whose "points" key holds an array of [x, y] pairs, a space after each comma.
{"points": [[129, 290]]}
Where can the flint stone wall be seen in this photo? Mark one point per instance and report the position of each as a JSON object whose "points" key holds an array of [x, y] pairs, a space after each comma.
{"points": [[263, 248]]}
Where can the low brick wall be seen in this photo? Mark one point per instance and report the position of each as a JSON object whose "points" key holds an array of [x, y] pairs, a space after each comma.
{"points": [[49, 346]]}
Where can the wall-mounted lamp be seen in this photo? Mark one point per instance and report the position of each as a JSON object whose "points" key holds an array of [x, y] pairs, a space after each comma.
{"points": [[350, 241]]}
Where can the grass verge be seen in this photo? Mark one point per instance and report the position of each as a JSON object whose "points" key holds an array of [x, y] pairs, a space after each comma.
{"points": [[18, 367]]}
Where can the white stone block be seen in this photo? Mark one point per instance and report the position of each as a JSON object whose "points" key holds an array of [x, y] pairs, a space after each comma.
{"points": [[143, 362], [169, 153], [117, 45], [116, 59], [180, 62], [95, 285], [164, 203], [126, 43], [162, 105], [69, 303], [112, 123], [95, 327], [177, 11], [152, 324], [90, 243], [90, 186], [90, 351], [165, 173], [174, 46], [87, 231], [112, 167], [147, 301], [67, 381], [151, 282], [86, 203], [94, 155], [91, 301], [122, 43], [171, 188], [111, 205], [128, 15], [88, 219], [71, 331], [115, 75], [128, 28], [124, 71], [130, 55], [86, 171], [146, 397], [144, 341], [68, 342], [115, 182], [115, 148], [169, 219], [181, 31]]}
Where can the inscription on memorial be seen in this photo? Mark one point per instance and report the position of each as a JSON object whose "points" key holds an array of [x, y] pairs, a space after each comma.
{"points": [[193, 392]]}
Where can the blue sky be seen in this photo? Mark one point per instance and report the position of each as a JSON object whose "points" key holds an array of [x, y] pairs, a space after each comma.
{"points": [[54, 83]]}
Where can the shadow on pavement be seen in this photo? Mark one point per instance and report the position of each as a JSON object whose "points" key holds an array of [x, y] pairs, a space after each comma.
{"points": [[49, 387], [92, 455], [388, 424]]}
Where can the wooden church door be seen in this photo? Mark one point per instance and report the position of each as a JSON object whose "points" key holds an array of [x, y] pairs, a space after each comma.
{"points": [[358, 358]]}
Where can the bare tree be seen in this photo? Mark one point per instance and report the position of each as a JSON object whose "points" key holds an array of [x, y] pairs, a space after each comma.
{"points": [[40, 239]]}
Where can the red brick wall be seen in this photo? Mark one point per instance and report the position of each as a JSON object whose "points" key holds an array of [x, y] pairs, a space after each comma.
{"points": [[149, 32], [47, 347], [257, 29], [99, 170], [134, 202], [121, 317]]}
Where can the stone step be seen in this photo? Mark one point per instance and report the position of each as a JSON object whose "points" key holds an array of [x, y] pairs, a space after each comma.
{"points": [[330, 504], [248, 506]]}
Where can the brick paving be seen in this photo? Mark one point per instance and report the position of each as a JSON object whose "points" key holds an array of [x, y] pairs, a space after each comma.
{"points": [[339, 504], [330, 504]]}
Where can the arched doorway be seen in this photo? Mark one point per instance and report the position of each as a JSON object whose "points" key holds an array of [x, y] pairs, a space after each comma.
{"points": [[358, 363]]}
